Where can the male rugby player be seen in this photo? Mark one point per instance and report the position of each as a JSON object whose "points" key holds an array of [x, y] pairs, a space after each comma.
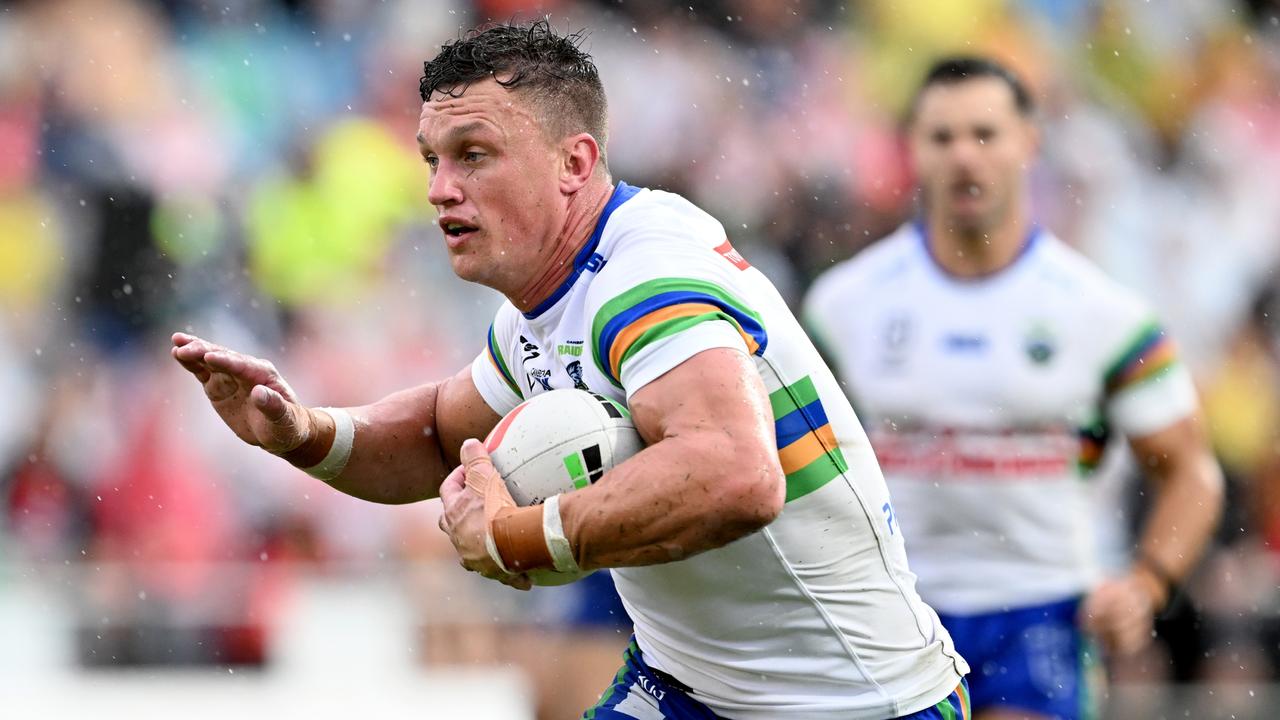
{"points": [[752, 541], [992, 363]]}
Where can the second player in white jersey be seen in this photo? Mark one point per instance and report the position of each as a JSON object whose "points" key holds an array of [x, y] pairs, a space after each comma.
{"points": [[989, 412]]}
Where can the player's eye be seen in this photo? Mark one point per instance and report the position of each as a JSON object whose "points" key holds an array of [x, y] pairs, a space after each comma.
{"points": [[472, 156], [431, 160], [985, 134], [941, 137]]}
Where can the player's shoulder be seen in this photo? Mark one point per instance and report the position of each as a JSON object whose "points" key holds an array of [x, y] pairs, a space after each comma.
{"points": [[656, 235], [883, 263], [1077, 275], [506, 321], [652, 219]]}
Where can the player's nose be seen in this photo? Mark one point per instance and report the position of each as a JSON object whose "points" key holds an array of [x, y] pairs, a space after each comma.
{"points": [[445, 190]]}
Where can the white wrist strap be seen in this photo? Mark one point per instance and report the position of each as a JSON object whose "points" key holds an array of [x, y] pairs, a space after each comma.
{"points": [[491, 547], [344, 437], [553, 533]]}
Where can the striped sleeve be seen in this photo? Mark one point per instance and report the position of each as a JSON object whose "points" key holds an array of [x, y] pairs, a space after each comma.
{"points": [[1146, 386], [649, 329], [807, 447], [493, 378]]}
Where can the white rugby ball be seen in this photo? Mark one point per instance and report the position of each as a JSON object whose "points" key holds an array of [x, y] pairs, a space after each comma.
{"points": [[558, 442]]}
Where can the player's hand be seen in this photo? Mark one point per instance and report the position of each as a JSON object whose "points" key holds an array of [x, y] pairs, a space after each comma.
{"points": [[473, 495], [1121, 612], [248, 393]]}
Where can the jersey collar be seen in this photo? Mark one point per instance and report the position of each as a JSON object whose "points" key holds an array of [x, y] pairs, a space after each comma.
{"points": [[622, 193], [1032, 239]]}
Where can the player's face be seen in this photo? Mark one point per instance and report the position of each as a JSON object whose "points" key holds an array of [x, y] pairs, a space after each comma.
{"points": [[493, 183], [970, 150]]}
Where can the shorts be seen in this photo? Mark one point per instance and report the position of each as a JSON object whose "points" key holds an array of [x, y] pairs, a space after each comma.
{"points": [[640, 692], [1035, 659]]}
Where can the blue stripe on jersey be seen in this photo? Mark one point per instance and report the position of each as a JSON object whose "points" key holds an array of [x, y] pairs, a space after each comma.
{"points": [[620, 321], [800, 422]]}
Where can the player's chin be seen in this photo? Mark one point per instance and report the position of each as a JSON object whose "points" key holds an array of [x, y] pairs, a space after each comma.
{"points": [[465, 264]]}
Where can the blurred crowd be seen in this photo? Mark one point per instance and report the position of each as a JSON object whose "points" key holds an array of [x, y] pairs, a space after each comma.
{"points": [[246, 169]]}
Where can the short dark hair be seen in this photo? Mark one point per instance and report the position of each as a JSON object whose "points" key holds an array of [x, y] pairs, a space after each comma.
{"points": [[552, 69], [958, 69]]}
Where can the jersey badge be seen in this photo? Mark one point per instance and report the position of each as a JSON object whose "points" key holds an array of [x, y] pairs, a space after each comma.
{"points": [[1040, 345], [733, 256]]}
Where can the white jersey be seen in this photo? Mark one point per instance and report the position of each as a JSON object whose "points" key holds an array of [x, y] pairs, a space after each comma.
{"points": [[814, 616], [989, 402]]}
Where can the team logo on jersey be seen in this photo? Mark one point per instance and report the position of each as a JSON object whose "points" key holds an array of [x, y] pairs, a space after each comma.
{"points": [[1040, 345], [570, 347], [529, 349], [575, 373], [538, 377], [896, 335], [728, 253]]}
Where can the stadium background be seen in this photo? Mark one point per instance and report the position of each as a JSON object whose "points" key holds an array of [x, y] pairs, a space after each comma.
{"points": [[245, 169]]}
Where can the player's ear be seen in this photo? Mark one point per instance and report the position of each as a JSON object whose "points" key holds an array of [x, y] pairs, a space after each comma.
{"points": [[580, 154]]}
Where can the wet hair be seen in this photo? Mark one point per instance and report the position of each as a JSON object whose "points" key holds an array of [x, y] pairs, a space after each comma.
{"points": [[954, 70], [550, 69]]}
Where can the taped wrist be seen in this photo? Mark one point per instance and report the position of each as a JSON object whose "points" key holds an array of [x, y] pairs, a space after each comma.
{"points": [[325, 455], [518, 541]]}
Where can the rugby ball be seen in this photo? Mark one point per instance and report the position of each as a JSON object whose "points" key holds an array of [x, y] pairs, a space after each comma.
{"points": [[558, 442]]}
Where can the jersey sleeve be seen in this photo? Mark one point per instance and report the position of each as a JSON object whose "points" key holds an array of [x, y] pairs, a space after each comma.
{"points": [[652, 327], [677, 289], [819, 315], [491, 371], [1147, 387]]}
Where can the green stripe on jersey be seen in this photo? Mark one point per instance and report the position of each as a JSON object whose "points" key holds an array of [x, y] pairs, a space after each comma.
{"points": [[822, 470], [633, 304], [792, 397], [496, 354]]}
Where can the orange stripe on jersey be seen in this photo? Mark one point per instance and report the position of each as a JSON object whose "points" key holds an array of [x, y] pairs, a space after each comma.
{"points": [[628, 335], [1152, 362], [807, 449]]}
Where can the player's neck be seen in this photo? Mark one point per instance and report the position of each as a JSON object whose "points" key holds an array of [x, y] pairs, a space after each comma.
{"points": [[585, 207], [971, 253]]}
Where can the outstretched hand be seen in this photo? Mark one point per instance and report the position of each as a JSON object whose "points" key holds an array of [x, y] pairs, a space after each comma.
{"points": [[248, 393]]}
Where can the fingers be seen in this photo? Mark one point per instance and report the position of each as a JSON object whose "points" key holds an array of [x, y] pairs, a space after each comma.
{"points": [[187, 350], [196, 368], [449, 489], [519, 582], [271, 404], [473, 453], [481, 476]]}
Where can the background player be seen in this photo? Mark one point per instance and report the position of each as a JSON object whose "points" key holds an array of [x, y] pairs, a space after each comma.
{"points": [[752, 540], [992, 364]]}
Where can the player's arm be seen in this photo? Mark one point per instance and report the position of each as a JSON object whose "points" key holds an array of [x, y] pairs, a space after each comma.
{"points": [[709, 476], [1180, 466], [402, 447]]}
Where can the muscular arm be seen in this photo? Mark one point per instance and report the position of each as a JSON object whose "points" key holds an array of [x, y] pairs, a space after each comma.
{"points": [[709, 476], [1178, 463], [1188, 501], [407, 442]]}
